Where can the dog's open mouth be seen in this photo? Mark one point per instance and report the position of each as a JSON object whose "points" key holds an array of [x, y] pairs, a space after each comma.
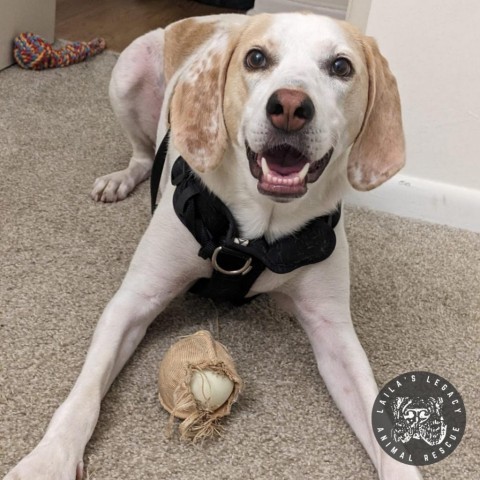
{"points": [[283, 171]]}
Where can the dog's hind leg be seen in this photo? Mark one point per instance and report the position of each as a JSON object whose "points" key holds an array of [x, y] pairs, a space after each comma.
{"points": [[137, 90]]}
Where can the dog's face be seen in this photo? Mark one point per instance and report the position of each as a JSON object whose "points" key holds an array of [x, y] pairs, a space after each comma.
{"points": [[297, 95], [295, 98]]}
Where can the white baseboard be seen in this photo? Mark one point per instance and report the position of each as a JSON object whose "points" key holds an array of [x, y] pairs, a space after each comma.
{"points": [[421, 199]]}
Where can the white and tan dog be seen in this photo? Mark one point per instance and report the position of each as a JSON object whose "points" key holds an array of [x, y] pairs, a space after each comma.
{"points": [[276, 114]]}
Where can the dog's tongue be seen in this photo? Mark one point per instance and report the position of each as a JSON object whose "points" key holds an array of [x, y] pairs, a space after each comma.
{"points": [[284, 159]]}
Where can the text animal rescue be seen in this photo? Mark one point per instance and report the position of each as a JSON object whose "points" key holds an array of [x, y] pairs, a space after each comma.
{"points": [[401, 453]]}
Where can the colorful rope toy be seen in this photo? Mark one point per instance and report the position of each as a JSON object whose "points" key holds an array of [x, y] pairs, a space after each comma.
{"points": [[33, 52]]}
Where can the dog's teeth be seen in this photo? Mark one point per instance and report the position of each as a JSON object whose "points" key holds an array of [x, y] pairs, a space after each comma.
{"points": [[303, 172], [265, 168]]}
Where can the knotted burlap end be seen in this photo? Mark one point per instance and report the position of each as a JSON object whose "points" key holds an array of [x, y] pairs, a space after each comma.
{"points": [[195, 352]]}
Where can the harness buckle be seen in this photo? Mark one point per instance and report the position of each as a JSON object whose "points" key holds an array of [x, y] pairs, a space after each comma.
{"points": [[243, 270]]}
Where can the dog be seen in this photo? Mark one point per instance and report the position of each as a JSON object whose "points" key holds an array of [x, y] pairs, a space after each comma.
{"points": [[277, 116]]}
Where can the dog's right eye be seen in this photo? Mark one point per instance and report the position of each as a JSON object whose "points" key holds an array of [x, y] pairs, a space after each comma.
{"points": [[255, 59], [341, 67]]}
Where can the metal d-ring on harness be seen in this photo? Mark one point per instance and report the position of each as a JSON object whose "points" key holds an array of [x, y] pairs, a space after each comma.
{"points": [[236, 262], [243, 270]]}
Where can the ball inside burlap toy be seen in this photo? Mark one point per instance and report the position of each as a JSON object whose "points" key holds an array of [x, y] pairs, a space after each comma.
{"points": [[189, 365]]}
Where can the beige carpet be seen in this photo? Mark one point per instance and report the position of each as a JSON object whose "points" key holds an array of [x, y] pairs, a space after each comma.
{"points": [[415, 302]]}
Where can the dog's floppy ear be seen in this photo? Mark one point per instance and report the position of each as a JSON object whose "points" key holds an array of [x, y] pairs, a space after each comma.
{"points": [[379, 149], [197, 55]]}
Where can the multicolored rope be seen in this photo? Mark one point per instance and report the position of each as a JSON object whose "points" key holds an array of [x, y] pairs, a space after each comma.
{"points": [[33, 52]]}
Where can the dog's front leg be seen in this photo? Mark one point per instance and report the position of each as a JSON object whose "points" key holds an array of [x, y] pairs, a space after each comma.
{"points": [[121, 327], [163, 266], [136, 92], [319, 297]]}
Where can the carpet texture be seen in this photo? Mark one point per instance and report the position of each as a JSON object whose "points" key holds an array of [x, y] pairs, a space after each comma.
{"points": [[415, 304]]}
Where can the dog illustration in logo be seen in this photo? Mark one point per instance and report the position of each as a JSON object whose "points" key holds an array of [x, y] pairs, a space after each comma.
{"points": [[418, 418]]}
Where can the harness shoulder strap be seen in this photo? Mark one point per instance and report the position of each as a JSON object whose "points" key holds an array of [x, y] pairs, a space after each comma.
{"points": [[157, 170]]}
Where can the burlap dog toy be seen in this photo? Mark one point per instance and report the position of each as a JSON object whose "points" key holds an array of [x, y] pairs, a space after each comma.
{"points": [[198, 383]]}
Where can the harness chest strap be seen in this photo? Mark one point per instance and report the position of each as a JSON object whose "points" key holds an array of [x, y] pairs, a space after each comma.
{"points": [[237, 262]]}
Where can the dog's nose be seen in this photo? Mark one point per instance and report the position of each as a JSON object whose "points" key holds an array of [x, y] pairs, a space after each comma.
{"points": [[289, 109]]}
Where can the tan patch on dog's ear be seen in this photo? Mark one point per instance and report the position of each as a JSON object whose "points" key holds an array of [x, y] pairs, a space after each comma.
{"points": [[379, 149], [196, 109], [182, 38]]}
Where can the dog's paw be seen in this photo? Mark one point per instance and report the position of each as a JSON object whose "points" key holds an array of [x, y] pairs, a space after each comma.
{"points": [[114, 187], [47, 462]]}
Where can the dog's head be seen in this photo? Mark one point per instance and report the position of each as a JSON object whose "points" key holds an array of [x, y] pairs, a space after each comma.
{"points": [[298, 95]]}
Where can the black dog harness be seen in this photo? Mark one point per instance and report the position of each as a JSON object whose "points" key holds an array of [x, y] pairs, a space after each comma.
{"points": [[237, 262]]}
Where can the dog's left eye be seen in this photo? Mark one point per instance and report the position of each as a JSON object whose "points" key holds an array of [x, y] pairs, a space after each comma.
{"points": [[255, 59], [341, 67]]}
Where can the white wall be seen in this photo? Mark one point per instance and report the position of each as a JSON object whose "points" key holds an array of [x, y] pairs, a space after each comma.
{"points": [[18, 16], [432, 47]]}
